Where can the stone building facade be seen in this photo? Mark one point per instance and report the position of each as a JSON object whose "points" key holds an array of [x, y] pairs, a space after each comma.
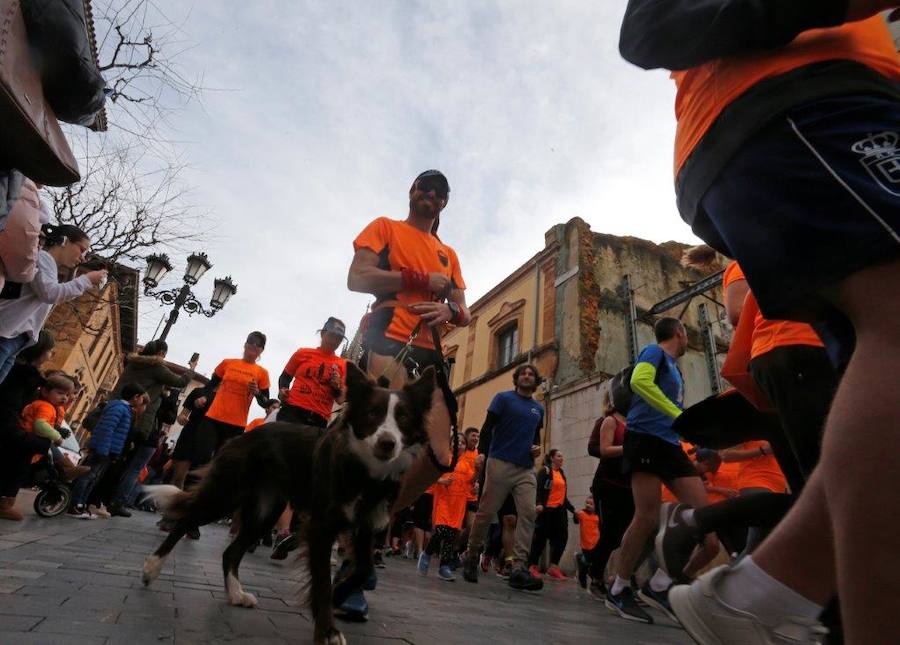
{"points": [[565, 310]]}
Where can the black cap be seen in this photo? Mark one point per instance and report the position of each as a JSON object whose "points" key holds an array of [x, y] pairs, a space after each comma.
{"points": [[434, 173], [335, 326]]}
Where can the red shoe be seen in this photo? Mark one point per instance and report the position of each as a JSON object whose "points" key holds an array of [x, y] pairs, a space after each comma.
{"points": [[535, 572], [555, 572]]}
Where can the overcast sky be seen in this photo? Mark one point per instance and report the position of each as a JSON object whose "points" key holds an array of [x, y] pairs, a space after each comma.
{"points": [[319, 114]]}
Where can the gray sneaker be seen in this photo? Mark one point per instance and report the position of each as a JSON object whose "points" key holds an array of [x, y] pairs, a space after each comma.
{"points": [[710, 621]]}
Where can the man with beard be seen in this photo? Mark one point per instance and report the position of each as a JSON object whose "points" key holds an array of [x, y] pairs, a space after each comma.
{"points": [[514, 421], [418, 285]]}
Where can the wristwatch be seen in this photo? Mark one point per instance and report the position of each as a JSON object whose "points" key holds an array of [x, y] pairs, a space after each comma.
{"points": [[455, 311]]}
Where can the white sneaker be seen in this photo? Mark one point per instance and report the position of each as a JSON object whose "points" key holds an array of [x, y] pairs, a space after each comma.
{"points": [[710, 621]]}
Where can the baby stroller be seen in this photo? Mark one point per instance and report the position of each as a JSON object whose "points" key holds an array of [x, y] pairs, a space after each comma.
{"points": [[54, 493]]}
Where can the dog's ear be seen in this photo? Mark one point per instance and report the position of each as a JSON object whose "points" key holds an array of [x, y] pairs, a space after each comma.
{"points": [[420, 390], [357, 380]]}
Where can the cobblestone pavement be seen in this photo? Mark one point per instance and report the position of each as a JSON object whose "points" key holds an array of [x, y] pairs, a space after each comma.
{"points": [[77, 582]]}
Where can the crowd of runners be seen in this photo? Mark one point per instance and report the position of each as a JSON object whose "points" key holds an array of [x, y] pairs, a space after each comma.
{"points": [[771, 525]]}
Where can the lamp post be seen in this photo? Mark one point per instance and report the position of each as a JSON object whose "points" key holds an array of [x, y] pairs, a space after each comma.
{"points": [[158, 265]]}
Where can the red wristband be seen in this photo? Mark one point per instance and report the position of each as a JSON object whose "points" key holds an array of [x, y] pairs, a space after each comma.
{"points": [[412, 280]]}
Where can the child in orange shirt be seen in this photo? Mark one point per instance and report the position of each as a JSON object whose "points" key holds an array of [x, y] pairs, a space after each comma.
{"points": [[44, 418], [589, 525]]}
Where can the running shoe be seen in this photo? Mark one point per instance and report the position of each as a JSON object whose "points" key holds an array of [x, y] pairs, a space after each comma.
{"points": [[581, 570], [521, 579], [409, 550], [626, 606], [424, 561], [535, 571], [710, 621], [284, 544], [378, 559], [597, 590], [556, 573], [99, 511], [118, 510], [657, 600], [675, 540], [485, 562], [446, 573], [470, 568], [504, 570], [193, 533]]}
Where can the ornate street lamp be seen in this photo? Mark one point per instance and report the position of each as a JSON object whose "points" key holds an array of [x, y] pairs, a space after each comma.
{"points": [[158, 265]]}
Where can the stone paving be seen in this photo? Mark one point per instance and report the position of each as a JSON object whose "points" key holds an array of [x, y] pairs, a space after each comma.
{"points": [[77, 582]]}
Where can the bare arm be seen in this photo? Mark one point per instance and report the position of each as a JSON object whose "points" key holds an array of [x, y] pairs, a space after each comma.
{"points": [[745, 454], [365, 276], [734, 300], [607, 436]]}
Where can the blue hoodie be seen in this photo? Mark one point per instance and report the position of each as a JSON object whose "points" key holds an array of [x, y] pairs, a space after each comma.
{"points": [[111, 431]]}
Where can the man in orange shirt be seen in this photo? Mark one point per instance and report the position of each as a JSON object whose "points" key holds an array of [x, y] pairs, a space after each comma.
{"points": [[786, 157]]}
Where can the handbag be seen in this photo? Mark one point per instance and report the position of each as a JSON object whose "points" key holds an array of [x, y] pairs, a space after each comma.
{"points": [[735, 369], [31, 139]]}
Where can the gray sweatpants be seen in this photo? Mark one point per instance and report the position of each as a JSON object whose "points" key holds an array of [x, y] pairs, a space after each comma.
{"points": [[503, 478]]}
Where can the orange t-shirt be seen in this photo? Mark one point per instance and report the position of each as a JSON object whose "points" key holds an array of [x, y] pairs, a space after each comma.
{"points": [[769, 334], [706, 90], [253, 425], [232, 401], [725, 477], [402, 246], [469, 456], [589, 526], [450, 501], [760, 472], [557, 496], [311, 387], [39, 410]]}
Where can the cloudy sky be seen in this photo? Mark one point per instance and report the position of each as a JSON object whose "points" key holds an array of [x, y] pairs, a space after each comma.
{"points": [[318, 114]]}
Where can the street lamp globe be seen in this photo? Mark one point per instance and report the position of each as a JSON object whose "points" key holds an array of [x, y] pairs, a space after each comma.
{"points": [[197, 265], [158, 266], [223, 289]]}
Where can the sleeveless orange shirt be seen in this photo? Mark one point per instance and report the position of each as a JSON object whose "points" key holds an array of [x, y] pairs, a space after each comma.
{"points": [[704, 91]]}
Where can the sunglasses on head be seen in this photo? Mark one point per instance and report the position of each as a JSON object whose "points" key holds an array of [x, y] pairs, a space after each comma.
{"points": [[437, 184]]}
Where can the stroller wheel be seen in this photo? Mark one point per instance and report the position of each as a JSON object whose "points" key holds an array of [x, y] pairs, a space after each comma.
{"points": [[52, 501]]}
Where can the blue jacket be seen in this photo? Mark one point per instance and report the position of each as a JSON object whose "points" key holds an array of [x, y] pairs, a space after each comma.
{"points": [[111, 431]]}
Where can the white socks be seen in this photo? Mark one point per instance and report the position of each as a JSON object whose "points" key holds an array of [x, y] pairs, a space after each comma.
{"points": [[749, 588], [660, 581], [618, 585]]}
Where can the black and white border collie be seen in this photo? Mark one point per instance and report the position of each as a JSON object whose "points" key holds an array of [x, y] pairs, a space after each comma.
{"points": [[341, 480]]}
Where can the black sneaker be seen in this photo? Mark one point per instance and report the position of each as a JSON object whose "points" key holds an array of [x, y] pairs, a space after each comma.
{"points": [[520, 578], [470, 568], [657, 600], [193, 533], [675, 540], [284, 545], [626, 606], [597, 590], [378, 560], [117, 510], [581, 568]]}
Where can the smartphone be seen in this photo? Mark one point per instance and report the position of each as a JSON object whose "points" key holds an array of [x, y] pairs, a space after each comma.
{"points": [[194, 357]]}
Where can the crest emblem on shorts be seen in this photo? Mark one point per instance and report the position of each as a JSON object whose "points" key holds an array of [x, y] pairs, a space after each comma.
{"points": [[881, 159]]}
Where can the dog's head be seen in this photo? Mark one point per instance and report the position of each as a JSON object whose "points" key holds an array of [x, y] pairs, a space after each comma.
{"points": [[383, 424]]}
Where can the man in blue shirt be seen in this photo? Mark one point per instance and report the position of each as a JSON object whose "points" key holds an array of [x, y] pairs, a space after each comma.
{"points": [[511, 436], [652, 454]]}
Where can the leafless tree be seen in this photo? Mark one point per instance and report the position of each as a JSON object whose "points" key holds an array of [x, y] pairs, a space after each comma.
{"points": [[131, 200]]}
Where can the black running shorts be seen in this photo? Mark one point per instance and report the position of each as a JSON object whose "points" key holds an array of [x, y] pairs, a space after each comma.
{"points": [[646, 453]]}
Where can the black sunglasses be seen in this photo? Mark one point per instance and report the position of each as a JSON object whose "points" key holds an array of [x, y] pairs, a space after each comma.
{"points": [[435, 183]]}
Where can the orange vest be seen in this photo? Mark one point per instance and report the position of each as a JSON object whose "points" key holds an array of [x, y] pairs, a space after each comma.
{"points": [[704, 91]]}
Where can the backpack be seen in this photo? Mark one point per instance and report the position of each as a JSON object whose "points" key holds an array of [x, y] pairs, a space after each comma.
{"points": [[620, 392]]}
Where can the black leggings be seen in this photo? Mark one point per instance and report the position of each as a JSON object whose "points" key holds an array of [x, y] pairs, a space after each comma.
{"points": [[615, 504], [442, 541], [551, 524]]}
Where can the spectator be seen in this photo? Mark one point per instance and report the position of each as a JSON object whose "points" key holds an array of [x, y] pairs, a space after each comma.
{"points": [[552, 523], [147, 369], [17, 446], [107, 442], [22, 316], [272, 407]]}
